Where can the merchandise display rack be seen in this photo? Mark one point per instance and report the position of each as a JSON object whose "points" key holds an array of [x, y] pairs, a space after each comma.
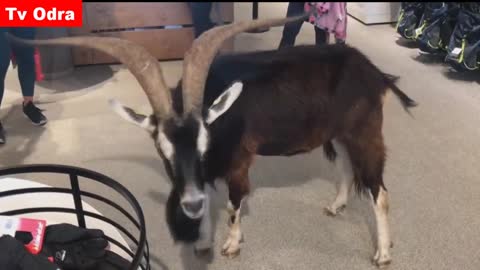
{"points": [[140, 258]]}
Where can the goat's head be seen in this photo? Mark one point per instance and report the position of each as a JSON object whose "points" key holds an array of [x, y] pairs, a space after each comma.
{"points": [[181, 138]]}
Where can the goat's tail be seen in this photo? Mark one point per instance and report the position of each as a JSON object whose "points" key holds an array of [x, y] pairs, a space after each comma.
{"points": [[406, 101]]}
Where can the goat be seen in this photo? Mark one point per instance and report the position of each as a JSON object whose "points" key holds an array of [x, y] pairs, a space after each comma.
{"points": [[229, 108]]}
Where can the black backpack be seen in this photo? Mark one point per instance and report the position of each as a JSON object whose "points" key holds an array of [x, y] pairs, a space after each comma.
{"points": [[439, 20], [464, 47], [409, 18]]}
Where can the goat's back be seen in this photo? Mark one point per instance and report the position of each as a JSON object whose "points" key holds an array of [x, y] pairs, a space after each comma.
{"points": [[298, 94]]}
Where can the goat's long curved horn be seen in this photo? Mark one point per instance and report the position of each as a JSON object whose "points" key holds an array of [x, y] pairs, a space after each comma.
{"points": [[138, 60], [198, 59]]}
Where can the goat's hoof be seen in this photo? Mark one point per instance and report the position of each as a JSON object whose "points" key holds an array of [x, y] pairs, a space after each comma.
{"points": [[231, 253], [381, 261], [333, 211], [231, 248], [203, 246], [383, 264], [202, 252]]}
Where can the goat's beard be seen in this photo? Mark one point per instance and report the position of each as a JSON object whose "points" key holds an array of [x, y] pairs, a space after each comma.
{"points": [[182, 228]]}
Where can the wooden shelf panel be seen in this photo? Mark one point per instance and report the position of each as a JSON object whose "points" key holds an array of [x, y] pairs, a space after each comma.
{"points": [[164, 44], [101, 16], [122, 20]]}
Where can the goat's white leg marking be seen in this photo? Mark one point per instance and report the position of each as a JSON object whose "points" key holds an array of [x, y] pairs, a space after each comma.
{"points": [[344, 166], [231, 248], [380, 207], [206, 237]]}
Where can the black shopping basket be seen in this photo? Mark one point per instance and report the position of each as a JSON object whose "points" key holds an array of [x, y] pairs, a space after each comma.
{"points": [[140, 258]]}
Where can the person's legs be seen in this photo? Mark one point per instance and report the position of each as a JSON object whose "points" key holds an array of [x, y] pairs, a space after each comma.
{"points": [[291, 30], [201, 17], [4, 63], [24, 56], [321, 36], [4, 60]]}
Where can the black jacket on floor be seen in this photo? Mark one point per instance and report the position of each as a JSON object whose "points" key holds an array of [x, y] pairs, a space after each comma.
{"points": [[14, 256]]}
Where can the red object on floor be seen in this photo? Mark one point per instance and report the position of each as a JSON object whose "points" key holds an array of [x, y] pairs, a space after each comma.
{"points": [[36, 227]]}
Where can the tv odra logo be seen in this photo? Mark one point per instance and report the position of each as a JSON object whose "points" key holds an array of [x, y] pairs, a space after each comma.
{"points": [[41, 13]]}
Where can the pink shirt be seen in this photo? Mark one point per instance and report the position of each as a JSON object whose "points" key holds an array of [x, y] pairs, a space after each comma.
{"points": [[331, 17]]}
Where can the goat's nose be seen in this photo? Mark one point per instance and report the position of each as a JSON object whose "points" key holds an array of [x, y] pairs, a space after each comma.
{"points": [[193, 206]]}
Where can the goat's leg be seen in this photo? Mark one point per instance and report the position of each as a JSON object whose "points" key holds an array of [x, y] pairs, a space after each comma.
{"points": [[368, 159], [380, 206], [231, 248], [344, 166], [380, 203], [238, 189]]}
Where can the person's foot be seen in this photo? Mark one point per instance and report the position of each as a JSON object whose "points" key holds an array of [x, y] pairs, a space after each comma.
{"points": [[34, 114], [2, 134]]}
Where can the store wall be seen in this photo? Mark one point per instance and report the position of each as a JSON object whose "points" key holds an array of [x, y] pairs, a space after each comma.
{"points": [[163, 28], [374, 12], [243, 10], [367, 12]]}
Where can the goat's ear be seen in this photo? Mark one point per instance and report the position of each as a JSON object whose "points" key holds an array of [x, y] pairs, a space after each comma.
{"points": [[224, 102], [131, 116]]}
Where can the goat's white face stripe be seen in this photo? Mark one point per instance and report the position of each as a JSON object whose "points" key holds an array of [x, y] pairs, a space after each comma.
{"points": [[202, 139], [165, 145]]}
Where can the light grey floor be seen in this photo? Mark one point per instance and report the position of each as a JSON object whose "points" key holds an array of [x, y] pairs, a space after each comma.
{"points": [[432, 169]]}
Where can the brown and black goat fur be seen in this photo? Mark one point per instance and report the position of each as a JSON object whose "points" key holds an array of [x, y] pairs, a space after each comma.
{"points": [[293, 101], [271, 103]]}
